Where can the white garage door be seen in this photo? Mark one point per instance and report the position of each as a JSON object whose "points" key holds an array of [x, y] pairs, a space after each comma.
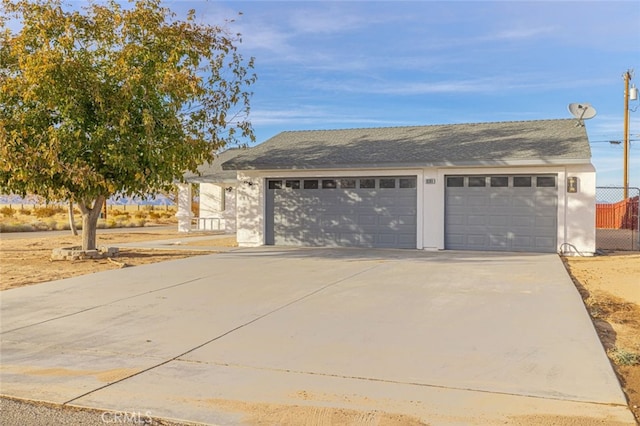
{"points": [[504, 213], [346, 212]]}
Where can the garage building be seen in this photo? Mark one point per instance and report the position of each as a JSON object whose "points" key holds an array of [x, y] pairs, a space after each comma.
{"points": [[507, 186]]}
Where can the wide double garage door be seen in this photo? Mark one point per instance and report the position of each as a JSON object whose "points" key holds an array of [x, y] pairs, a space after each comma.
{"points": [[342, 211], [504, 213]]}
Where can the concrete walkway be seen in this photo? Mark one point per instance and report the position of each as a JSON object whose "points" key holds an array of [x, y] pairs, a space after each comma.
{"points": [[447, 338]]}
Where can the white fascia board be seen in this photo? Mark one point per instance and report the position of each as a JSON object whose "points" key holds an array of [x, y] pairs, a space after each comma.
{"points": [[275, 174]]}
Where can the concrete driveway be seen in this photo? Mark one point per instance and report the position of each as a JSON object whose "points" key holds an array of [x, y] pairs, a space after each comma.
{"points": [[444, 338]]}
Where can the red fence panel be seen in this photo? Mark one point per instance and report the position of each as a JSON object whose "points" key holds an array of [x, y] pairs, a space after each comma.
{"points": [[620, 215]]}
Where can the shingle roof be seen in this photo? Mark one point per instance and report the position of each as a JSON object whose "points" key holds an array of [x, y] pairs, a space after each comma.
{"points": [[535, 142], [213, 172]]}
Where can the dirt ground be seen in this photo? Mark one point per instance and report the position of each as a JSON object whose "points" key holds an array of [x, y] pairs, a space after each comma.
{"points": [[610, 288], [609, 285], [26, 261]]}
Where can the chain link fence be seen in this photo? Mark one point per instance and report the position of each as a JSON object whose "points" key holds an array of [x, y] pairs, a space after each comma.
{"points": [[617, 220]]}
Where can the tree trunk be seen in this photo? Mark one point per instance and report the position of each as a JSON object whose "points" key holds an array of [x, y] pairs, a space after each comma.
{"points": [[72, 222], [90, 216]]}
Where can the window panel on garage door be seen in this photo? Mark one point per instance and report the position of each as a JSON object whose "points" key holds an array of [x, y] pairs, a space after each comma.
{"points": [[509, 213], [359, 211]]}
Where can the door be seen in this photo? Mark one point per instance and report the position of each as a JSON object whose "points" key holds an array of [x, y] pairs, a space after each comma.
{"points": [[501, 212], [342, 211]]}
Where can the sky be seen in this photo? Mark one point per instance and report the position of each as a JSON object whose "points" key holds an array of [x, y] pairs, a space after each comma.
{"points": [[349, 64]]}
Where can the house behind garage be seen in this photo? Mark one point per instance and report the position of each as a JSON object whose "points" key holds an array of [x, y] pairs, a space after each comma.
{"points": [[505, 186]]}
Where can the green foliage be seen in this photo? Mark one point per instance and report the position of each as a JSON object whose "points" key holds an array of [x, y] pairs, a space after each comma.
{"points": [[112, 99], [624, 357]]}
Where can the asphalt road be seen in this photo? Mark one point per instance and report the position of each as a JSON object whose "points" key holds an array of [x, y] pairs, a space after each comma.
{"points": [[20, 413]]}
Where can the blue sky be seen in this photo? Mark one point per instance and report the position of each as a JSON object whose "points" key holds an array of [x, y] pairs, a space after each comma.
{"points": [[346, 64]]}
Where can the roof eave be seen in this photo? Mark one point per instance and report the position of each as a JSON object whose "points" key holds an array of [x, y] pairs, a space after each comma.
{"points": [[414, 165]]}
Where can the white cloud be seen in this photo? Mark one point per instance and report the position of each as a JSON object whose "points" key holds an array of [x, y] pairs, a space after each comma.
{"points": [[323, 21], [306, 115]]}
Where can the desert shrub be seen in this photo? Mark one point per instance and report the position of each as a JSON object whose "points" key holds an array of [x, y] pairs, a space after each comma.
{"points": [[47, 211], [7, 211], [16, 227], [25, 212], [140, 222], [141, 214], [154, 215], [624, 357], [61, 226]]}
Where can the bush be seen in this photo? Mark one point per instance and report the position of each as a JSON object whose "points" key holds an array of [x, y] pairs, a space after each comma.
{"points": [[140, 214], [12, 227], [25, 212], [624, 357], [47, 211], [7, 211]]}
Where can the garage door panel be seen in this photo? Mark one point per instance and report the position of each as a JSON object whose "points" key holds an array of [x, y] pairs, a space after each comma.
{"points": [[476, 200], [498, 241], [546, 223], [501, 218], [407, 220], [453, 220], [500, 201], [544, 202], [454, 240], [342, 217], [478, 240], [498, 220], [522, 221], [520, 242], [456, 200], [522, 202], [474, 220], [546, 242]]}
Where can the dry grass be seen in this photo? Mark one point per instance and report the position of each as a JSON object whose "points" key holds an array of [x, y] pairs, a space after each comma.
{"points": [[26, 261], [26, 218]]}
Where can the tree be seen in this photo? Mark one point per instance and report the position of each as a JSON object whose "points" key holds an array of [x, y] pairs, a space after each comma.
{"points": [[113, 100]]}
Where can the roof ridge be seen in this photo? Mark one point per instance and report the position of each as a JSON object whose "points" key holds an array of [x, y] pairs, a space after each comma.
{"points": [[427, 125]]}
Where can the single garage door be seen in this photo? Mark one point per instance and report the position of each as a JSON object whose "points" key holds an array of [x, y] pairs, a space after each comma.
{"points": [[504, 213], [342, 212]]}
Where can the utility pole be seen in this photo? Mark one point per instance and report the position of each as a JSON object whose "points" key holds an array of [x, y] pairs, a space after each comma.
{"points": [[625, 165]]}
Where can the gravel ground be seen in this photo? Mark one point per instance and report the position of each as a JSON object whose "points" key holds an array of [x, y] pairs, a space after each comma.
{"points": [[15, 412]]}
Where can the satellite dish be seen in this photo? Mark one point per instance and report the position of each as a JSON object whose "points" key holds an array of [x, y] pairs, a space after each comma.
{"points": [[582, 112]]}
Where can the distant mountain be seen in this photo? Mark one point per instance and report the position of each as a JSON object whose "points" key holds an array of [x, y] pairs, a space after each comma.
{"points": [[159, 200]]}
